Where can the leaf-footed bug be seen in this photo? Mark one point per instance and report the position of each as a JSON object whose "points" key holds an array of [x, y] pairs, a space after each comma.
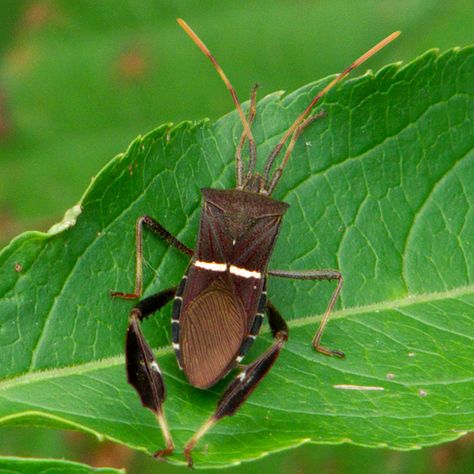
{"points": [[221, 300]]}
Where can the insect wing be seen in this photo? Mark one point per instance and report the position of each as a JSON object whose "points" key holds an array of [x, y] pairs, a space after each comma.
{"points": [[213, 326]]}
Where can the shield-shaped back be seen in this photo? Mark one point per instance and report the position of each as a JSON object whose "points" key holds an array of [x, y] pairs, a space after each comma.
{"points": [[239, 227]]}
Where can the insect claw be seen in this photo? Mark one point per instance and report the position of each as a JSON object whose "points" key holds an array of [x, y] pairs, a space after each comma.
{"points": [[329, 352], [196, 437], [187, 455], [124, 296], [160, 455], [339, 354]]}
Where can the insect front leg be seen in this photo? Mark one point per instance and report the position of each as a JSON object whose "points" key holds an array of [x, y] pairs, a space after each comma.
{"points": [[143, 372], [159, 230], [318, 275], [246, 382]]}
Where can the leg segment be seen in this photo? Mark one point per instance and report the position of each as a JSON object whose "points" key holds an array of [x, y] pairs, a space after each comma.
{"points": [[159, 230], [239, 164], [318, 275], [143, 372], [246, 382]]}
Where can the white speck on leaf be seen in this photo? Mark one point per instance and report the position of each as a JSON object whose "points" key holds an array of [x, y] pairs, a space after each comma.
{"points": [[358, 387], [69, 219]]}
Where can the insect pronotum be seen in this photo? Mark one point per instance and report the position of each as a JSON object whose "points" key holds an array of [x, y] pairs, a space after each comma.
{"points": [[221, 300]]}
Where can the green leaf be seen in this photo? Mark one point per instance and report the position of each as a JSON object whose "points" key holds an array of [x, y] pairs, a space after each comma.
{"points": [[381, 189], [12, 465]]}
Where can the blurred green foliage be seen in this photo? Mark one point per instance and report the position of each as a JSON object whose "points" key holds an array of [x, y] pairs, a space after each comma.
{"points": [[79, 80], [16, 465]]}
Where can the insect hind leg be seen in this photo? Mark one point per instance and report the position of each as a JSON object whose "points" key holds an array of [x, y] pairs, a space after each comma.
{"points": [[143, 371], [256, 324], [246, 382]]}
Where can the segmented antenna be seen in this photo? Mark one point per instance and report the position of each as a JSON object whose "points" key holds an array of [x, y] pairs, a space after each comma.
{"points": [[229, 86], [269, 184]]}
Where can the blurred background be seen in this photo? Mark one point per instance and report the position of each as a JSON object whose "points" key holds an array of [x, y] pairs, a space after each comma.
{"points": [[80, 80]]}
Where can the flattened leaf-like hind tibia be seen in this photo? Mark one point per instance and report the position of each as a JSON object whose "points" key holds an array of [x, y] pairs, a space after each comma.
{"points": [[143, 372]]}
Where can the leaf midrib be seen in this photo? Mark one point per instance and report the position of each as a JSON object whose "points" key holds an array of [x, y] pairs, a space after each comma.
{"points": [[117, 360]]}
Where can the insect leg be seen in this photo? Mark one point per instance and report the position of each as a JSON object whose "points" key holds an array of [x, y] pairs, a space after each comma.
{"points": [[143, 372], [159, 230], [239, 164], [318, 275], [245, 383]]}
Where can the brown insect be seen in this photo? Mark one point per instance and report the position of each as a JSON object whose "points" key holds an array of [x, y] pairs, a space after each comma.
{"points": [[220, 303]]}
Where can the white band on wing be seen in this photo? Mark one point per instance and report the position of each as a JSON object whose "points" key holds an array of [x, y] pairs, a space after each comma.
{"points": [[222, 267], [242, 272], [213, 266]]}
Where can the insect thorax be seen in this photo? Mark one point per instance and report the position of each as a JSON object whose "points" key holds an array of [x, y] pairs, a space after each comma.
{"points": [[238, 227]]}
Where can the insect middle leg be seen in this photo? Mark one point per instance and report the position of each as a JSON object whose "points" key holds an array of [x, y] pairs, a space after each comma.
{"points": [[318, 275], [143, 372], [159, 230], [246, 382]]}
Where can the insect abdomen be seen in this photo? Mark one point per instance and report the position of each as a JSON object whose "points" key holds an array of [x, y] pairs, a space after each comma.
{"points": [[255, 328], [175, 328]]}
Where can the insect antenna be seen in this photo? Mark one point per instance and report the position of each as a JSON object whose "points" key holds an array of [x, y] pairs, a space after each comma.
{"points": [[299, 124], [245, 123]]}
